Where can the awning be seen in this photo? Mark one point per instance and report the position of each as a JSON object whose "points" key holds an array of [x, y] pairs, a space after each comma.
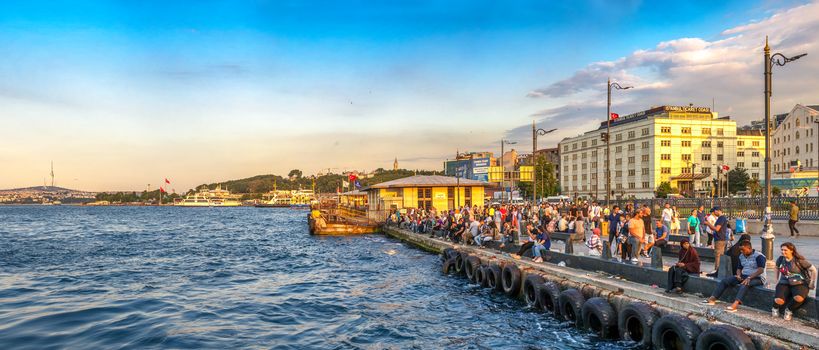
{"points": [[690, 177]]}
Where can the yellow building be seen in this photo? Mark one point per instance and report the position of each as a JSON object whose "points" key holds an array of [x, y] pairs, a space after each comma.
{"points": [[426, 191], [681, 145]]}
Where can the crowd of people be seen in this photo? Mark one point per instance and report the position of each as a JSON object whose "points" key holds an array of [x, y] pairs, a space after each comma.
{"points": [[633, 233]]}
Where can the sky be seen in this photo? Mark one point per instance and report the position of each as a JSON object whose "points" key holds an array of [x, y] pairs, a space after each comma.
{"points": [[123, 94]]}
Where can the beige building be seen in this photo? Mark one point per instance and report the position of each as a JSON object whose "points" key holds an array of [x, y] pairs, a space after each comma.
{"points": [[795, 160], [684, 146]]}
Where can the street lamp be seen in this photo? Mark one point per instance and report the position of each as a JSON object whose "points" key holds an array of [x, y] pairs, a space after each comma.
{"points": [[617, 86], [535, 133], [503, 167], [780, 60]]}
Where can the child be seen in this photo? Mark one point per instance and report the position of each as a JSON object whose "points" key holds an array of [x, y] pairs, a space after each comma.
{"points": [[594, 244]]}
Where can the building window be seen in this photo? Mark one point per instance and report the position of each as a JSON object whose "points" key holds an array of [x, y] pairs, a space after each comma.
{"points": [[740, 164], [755, 164], [594, 165], [720, 132], [468, 196], [631, 172], [574, 166], [565, 148], [583, 144], [685, 170], [594, 153], [631, 134], [686, 143], [719, 144], [631, 147], [755, 143], [797, 149], [719, 156], [645, 131], [618, 186], [665, 156], [706, 157], [584, 177], [618, 149], [755, 154], [686, 156], [583, 166], [618, 173], [755, 176], [583, 155], [618, 137], [631, 185], [665, 143], [425, 198], [618, 161], [706, 144], [665, 170], [574, 177], [574, 146], [686, 130], [574, 156], [740, 143], [706, 131], [631, 160], [706, 171], [645, 184], [565, 168], [644, 157], [645, 144], [665, 129], [565, 158], [741, 154], [645, 171]]}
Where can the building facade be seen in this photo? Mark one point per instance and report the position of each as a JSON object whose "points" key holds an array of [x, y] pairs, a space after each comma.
{"points": [[426, 191], [685, 146], [794, 160]]}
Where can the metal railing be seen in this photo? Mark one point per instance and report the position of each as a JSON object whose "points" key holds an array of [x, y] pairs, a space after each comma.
{"points": [[746, 208]]}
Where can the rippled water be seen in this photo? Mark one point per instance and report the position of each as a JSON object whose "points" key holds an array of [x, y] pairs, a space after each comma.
{"points": [[142, 277]]}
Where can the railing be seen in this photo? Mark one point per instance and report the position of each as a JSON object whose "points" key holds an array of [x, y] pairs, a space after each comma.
{"points": [[747, 208]]}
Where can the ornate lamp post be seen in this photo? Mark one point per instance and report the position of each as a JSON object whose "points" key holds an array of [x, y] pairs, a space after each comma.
{"points": [[535, 133], [609, 86], [779, 60]]}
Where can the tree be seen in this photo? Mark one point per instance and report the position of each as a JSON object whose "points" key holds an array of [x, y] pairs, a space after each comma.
{"points": [[295, 173], [776, 191], [754, 187], [663, 190], [737, 180]]}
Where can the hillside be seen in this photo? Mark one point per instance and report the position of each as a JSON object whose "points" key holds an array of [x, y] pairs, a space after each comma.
{"points": [[324, 183]]}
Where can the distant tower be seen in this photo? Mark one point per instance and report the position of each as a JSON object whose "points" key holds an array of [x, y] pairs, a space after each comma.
{"points": [[52, 173], [395, 164]]}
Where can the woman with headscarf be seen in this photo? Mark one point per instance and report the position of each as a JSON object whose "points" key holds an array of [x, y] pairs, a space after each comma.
{"points": [[688, 263]]}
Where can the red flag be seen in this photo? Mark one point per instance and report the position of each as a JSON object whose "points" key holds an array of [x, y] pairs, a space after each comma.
{"points": [[725, 167], [162, 190], [167, 181], [614, 116], [352, 177]]}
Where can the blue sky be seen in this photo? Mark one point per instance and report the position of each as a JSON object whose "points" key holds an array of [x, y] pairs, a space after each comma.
{"points": [[121, 94]]}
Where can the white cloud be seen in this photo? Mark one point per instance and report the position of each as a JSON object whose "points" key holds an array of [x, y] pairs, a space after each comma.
{"points": [[727, 70]]}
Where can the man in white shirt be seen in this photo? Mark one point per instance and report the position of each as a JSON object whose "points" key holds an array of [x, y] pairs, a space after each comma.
{"points": [[668, 214]]}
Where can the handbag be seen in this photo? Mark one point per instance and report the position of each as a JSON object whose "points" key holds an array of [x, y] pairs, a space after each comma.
{"points": [[796, 280]]}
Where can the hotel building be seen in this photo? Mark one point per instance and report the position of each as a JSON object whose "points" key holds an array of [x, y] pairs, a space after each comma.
{"points": [[795, 161], [684, 146]]}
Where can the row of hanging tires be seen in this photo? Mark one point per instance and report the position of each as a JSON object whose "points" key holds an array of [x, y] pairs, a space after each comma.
{"points": [[637, 321]]}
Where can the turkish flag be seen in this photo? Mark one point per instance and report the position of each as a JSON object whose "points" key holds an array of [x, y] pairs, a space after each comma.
{"points": [[353, 177], [614, 116], [725, 167], [162, 190], [167, 181]]}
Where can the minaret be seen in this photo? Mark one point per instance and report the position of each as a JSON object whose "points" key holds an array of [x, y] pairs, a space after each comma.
{"points": [[52, 173], [395, 164]]}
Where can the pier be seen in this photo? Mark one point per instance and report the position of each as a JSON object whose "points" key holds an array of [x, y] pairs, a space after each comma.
{"points": [[618, 289]]}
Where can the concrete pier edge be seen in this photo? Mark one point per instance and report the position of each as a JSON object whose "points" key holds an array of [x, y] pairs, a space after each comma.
{"points": [[766, 332]]}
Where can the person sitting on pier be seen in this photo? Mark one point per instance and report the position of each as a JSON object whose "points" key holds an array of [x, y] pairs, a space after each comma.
{"points": [[688, 263], [529, 242], [594, 244], [456, 230], [751, 273], [662, 235], [472, 233], [796, 277], [506, 235], [542, 242], [563, 224]]}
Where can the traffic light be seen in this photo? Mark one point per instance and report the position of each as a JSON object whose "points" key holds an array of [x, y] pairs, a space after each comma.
{"points": [[604, 136]]}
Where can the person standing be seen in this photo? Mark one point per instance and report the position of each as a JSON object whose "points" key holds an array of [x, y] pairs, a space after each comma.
{"points": [[667, 214], [636, 235], [694, 229], [793, 219], [719, 229]]}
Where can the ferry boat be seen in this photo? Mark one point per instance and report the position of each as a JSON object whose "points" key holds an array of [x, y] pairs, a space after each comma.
{"points": [[210, 198], [288, 199]]}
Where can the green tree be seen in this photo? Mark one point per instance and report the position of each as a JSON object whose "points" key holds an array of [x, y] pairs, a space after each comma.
{"points": [[295, 173], [754, 187], [737, 180], [775, 191], [663, 190]]}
